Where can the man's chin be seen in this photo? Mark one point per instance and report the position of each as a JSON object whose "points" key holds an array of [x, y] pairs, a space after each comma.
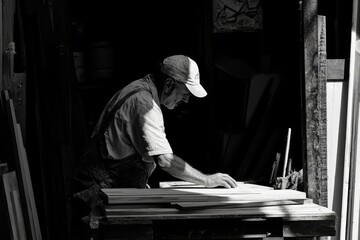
{"points": [[171, 107]]}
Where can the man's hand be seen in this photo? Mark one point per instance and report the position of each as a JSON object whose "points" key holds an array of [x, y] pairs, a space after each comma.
{"points": [[220, 179]]}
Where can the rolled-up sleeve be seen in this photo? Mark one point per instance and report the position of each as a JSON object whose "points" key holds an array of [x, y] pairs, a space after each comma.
{"points": [[146, 126]]}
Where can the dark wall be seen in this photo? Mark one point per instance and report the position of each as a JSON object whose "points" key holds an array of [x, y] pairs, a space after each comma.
{"points": [[62, 110]]}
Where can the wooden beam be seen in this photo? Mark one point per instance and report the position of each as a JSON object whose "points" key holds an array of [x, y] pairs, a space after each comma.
{"points": [[314, 90]]}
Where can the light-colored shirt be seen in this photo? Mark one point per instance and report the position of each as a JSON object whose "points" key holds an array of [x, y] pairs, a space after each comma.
{"points": [[138, 126]]}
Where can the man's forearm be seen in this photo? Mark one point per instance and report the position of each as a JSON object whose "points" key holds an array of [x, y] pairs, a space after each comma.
{"points": [[179, 168], [184, 171]]}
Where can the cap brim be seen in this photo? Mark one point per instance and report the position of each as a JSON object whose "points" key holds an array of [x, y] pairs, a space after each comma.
{"points": [[197, 90]]}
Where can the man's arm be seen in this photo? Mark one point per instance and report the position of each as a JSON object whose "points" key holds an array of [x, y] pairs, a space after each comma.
{"points": [[178, 168]]}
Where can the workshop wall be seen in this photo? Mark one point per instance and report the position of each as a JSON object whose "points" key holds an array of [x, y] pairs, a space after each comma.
{"points": [[241, 70], [78, 53]]}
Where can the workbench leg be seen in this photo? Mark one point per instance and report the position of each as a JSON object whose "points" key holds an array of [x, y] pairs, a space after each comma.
{"points": [[96, 234], [127, 232]]}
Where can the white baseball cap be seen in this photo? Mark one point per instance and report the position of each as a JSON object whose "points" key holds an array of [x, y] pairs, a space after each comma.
{"points": [[185, 70]]}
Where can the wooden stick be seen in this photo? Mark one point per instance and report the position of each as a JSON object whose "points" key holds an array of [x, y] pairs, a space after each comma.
{"points": [[275, 168], [272, 172], [287, 152], [289, 167]]}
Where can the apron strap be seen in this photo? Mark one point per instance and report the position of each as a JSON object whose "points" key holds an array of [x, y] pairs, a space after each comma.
{"points": [[110, 114]]}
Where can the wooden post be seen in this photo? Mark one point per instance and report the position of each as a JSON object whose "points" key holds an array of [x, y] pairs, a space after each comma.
{"points": [[315, 164], [351, 188]]}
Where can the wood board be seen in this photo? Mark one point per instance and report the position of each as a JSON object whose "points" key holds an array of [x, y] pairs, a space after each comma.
{"points": [[141, 196], [309, 211], [15, 214], [30, 199], [239, 204], [252, 203], [184, 184], [350, 218], [23, 172]]}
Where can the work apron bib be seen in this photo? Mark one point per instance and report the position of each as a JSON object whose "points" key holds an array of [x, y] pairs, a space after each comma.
{"points": [[95, 171]]}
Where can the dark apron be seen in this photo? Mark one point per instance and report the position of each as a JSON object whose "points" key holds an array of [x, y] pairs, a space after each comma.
{"points": [[95, 171]]}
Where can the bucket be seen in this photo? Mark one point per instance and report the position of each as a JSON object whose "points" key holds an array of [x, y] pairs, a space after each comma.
{"points": [[101, 56]]}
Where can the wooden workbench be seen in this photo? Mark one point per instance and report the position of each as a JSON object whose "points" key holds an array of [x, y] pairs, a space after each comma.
{"points": [[188, 212]]}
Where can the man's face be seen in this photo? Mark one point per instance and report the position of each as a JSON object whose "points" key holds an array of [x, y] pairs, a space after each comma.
{"points": [[174, 96]]}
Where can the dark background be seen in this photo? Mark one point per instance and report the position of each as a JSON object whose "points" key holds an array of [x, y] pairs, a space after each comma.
{"points": [[213, 133]]}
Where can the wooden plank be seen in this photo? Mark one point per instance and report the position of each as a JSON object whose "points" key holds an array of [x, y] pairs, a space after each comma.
{"points": [[22, 167], [336, 98], [314, 91], [10, 185], [196, 198], [298, 212], [239, 204], [126, 196], [351, 187], [11, 124], [15, 198], [29, 189], [205, 191], [184, 184], [161, 192]]}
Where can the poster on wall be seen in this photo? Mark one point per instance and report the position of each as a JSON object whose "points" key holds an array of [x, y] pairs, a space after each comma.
{"points": [[237, 16]]}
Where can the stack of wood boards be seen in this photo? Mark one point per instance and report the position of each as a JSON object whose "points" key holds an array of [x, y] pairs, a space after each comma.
{"points": [[246, 200]]}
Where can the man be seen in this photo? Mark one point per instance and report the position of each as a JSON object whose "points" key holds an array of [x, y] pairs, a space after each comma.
{"points": [[129, 140]]}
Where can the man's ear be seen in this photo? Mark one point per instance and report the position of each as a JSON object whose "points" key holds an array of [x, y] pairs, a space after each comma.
{"points": [[169, 85]]}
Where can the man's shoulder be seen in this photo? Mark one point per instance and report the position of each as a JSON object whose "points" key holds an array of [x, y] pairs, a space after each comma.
{"points": [[143, 89], [139, 84]]}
